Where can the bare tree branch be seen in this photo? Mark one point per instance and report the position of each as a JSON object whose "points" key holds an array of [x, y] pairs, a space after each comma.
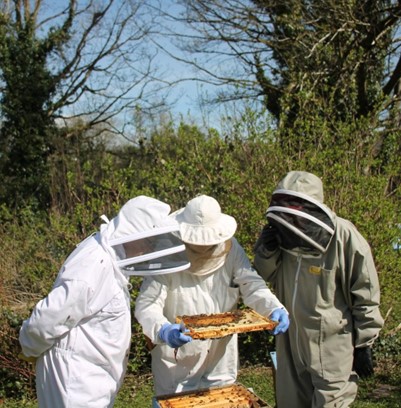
{"points": [[273, 49]]}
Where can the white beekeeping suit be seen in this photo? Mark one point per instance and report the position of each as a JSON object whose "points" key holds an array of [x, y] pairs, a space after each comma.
{"points": [[81, 332], [220, 275]]}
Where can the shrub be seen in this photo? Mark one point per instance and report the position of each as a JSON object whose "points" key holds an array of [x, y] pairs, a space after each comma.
{"points": [[174, 165]]}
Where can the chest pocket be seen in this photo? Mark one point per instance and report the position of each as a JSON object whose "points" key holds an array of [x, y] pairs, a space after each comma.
{"points": [[116, 305], [111, 318], [322, 284]]}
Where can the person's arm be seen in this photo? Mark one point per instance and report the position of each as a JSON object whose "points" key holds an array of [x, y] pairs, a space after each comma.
{"points": [[52, 317], [267, 253], [149, 306], [365, 297], [257, 295], [253, 288]]}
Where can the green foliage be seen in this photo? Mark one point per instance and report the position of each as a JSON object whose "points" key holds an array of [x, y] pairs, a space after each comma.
{"points": [[260, 379], [388, 348], [255, 347], [27, 128], [136, 392], [27, 277], [176, 164], [17, 377], [139, 359]]}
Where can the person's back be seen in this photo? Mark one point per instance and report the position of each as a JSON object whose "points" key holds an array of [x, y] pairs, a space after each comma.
{"points": [[85, 341], [80, 332]]}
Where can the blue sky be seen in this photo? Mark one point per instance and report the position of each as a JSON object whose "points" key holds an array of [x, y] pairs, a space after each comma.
{"points": [[186, 94]]}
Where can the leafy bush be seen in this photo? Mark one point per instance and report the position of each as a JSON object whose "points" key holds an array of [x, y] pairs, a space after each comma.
{"points": [[174, 165], [17, 377]]}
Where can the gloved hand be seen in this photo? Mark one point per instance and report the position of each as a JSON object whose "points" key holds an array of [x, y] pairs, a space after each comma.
{"points": [[280, 316], [172, 335], [363, 362], [268, 238]]}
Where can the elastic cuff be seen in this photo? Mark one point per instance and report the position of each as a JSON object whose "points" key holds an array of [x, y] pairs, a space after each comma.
{"points": [[279, 307]]}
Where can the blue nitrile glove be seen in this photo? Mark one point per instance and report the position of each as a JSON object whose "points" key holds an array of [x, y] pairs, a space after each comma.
{"points": [[280, 316], [172, 335]]}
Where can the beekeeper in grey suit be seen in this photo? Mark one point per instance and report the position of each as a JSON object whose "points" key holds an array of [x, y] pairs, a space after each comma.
{"points": [[322, 270]]}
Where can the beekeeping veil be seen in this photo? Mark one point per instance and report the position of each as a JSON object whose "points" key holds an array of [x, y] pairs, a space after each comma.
{"points": [[143, 240], [297, 211], [203, 225]]}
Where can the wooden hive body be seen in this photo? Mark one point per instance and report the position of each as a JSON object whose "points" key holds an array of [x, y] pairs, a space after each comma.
{"points": [[232, 396]]}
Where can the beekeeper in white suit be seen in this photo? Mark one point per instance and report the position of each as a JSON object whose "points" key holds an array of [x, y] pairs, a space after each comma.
{"points": [[220, 274], [80, 333]]}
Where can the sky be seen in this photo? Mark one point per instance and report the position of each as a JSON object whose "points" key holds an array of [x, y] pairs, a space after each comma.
{"points": [[186, 95]]}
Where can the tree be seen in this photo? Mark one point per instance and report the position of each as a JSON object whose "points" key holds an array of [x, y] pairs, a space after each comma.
{"points": [[334, 57], [61, 61]]}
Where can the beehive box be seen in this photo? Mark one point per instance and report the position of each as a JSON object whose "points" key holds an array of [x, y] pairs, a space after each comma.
{"points": [[231, 396], [224, 324]]}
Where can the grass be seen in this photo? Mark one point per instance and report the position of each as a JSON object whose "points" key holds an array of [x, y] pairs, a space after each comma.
{"points": [[138, 393], [380, 392], [383, 391]]}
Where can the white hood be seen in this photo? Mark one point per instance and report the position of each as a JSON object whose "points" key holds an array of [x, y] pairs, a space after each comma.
{"points": [[142, 219]]}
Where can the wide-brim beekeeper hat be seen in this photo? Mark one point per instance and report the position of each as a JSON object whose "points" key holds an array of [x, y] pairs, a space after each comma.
{"points": [[203, 223]]}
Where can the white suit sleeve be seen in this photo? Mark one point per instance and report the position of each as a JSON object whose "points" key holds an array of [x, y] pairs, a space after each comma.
{"points": [[149, 308], [56, 314], [254, 291]]}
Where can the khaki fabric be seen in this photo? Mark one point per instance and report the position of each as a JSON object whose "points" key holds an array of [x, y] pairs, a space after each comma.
{"points": [[333, 302], [298, 386], [303, 182]]}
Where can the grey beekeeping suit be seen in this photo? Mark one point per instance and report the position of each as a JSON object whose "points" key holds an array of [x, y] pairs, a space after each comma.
{"points": [[323, 272]]}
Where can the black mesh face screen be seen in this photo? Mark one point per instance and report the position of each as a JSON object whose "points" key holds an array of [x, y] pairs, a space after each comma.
{"points": [[299, 222], [301, 204], [290, 239]]}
